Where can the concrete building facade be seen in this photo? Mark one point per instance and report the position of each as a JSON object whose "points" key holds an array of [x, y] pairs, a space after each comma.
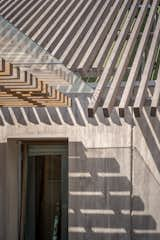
{"points": [[80, 85]]}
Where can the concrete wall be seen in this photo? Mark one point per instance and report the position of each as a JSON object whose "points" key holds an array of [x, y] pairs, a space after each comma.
{"points": [[114, 180]]}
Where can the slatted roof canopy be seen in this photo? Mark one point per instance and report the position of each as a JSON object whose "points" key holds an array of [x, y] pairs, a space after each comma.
{"points": [[114, 40], [73, 31], [134, 58]]}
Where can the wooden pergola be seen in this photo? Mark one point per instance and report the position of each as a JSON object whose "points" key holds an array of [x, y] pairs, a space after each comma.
{"points": [[114, 41]]}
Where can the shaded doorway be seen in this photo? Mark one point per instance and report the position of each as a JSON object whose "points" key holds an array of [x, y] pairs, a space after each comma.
{"points": [[43, 203]]}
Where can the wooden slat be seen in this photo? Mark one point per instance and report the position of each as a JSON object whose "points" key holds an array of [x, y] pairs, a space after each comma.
{"points": [[88, 36], [26, 104], [37, 25], [101, 56], [55, 104], [5, 94], [11, 7], [78, 36], [147, 71], [32, 83], [29, 90], [14, 17], [28, 12], [5, 4], [74, 26], [46, 24], [14, 9], [133, 74], [20, 78], [17, 104], [45, 40], [38, 99], [7, 83], [114, 88], [156, 95], [41, 97], [70, 21], [35, 85], [94, 47], [35, 98], [8, 70], [2, 65], [21, 97], [18, 82], [24, 90], [10, 94], [108, 70], [15, 101], [37, 16]]}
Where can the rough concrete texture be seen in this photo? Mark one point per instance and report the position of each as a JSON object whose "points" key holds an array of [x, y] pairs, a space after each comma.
{"points": [[114, 175]]}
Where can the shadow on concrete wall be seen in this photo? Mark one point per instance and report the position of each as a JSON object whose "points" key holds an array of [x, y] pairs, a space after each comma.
{"points": [[77, 115], [150, 129], [117, 214], [101, 204]]}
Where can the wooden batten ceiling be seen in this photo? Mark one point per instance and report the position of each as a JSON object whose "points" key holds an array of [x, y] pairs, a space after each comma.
{"points": [[118, 41], [20, 88]]}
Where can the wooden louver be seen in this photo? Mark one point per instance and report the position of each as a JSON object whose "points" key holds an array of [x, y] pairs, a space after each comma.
{"points": [[21, 88]]}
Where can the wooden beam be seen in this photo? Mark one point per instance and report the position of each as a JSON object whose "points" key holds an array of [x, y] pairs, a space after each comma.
{"points": [[9, 94], [123, 65], [2, 65], [8, 70], [147, 71], [39, 86], [108, 70], [40, 99], [15, 101]]}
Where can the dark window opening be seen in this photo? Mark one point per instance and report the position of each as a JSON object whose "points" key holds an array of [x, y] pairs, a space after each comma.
{"points": [[43, 205]]}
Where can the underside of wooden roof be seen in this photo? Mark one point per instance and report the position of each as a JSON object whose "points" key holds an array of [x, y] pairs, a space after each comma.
{"points": [[113, 41], [21, 88]]}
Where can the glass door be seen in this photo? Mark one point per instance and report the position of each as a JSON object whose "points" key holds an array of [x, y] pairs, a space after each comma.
{"points": [[43, 214]]}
